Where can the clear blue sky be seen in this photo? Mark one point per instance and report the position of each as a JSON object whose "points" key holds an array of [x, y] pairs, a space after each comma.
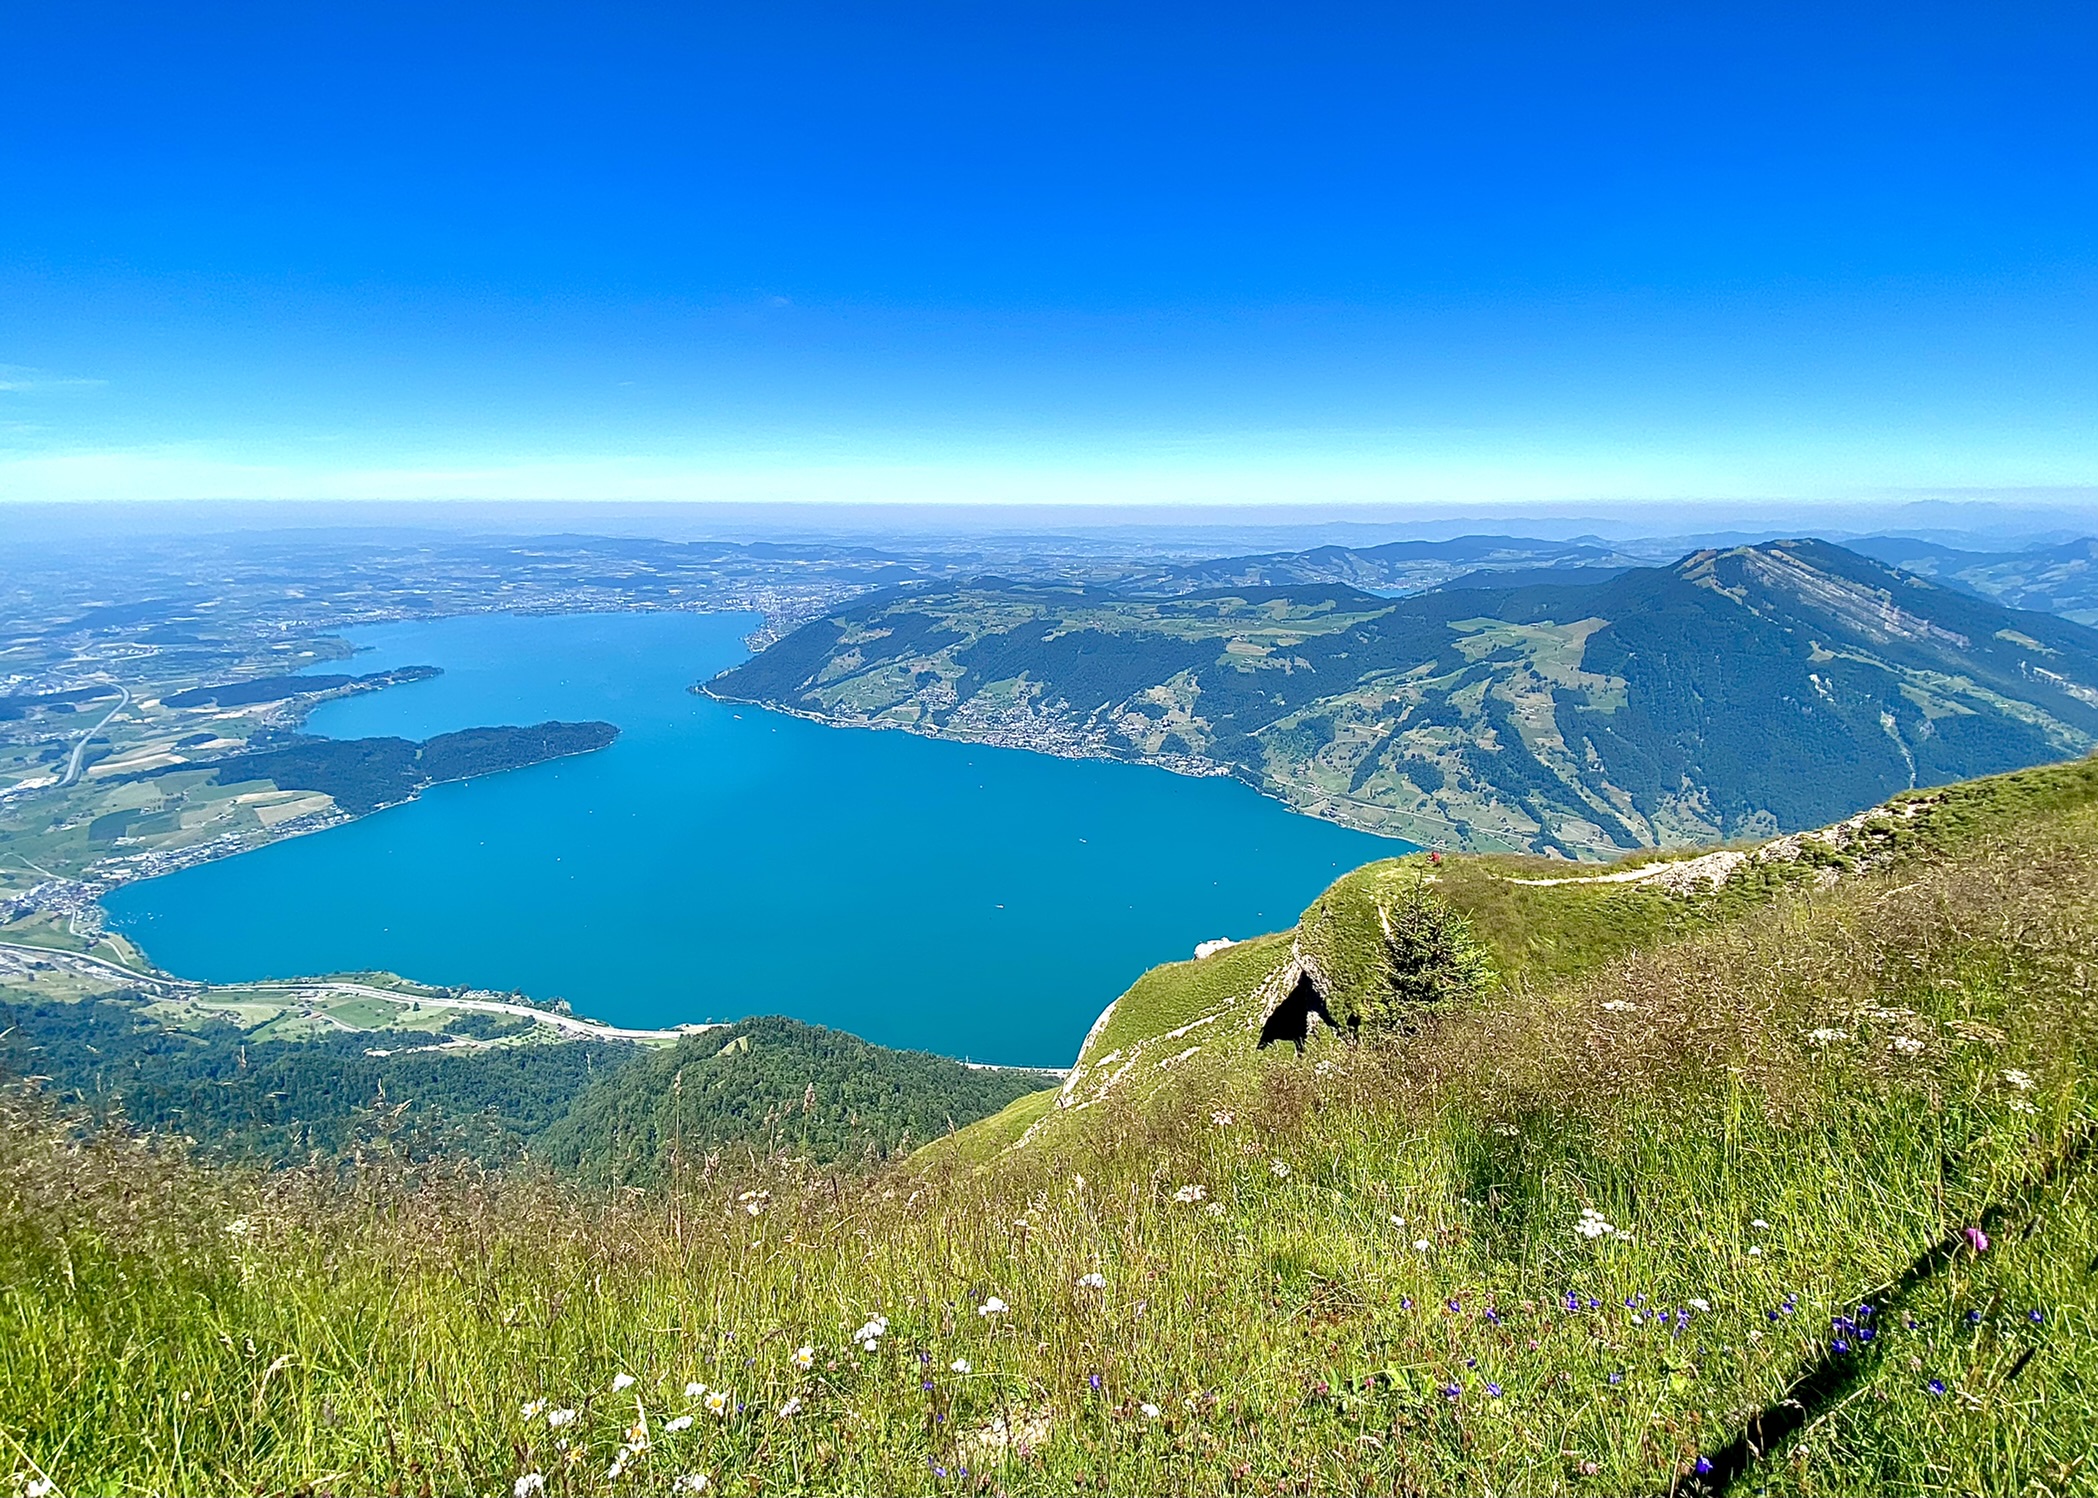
{"points": [[1012, 251]]}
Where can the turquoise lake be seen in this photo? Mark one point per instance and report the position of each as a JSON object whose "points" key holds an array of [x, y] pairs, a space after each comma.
{"points": [[722, 861]]}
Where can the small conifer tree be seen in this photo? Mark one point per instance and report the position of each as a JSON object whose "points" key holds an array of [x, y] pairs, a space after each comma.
{"points": [[1431, 958]]}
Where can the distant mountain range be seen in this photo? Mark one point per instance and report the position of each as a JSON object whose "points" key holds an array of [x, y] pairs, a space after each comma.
{"points": [[1399, 567], [2060, 579], [1737, 693]]}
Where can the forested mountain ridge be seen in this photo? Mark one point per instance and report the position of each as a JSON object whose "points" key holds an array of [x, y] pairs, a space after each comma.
{"points": [[482, 1085], [1737, 693], [772, 1083]]}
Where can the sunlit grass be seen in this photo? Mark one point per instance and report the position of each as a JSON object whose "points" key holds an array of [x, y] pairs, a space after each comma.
{"points": [[1359, 1270]]}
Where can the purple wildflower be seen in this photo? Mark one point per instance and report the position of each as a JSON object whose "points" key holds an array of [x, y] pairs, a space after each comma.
{"points": [[1976, 1239], [1936, 1386], [1094, 1380], [1493, 1391], [1453, 1391], [2036, 1315], [1704, 1465]]}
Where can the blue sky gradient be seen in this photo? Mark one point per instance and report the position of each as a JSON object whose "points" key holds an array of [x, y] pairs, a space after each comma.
{"points": [[1055, 253]]}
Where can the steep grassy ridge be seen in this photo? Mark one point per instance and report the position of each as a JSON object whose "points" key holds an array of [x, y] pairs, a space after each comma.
{"points": [[1577, 1235], [1539, 921]]}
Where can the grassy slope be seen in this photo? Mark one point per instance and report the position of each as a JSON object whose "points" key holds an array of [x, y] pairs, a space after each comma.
{"points": [[1780, 1111], [1542, 934]]}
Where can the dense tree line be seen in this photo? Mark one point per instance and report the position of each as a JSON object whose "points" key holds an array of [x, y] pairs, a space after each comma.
{"points": [[280, 1100], [773, 1082], [607, 1110], [363, 775]]}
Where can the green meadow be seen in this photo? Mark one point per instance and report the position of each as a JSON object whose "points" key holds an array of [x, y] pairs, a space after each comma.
{"points": [[1778, 1181]]}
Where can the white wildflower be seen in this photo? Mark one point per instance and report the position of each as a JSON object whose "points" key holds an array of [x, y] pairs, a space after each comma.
{"points": [[1827, 1036], [959, 1365], [681, 1422], [38, 1487], [1191, 1194], [804, 1358], [1699, 1305], [1907, 1045], [791, 1408], [992, 1306], [533, 1410], [524, 1487], [1618, 1006], [555, 1419], [869, 1336], [693, 1482], [618, 1468], [1093, 1281], [693, 1391], [1593, 1224], [1150, 1411], [1280, 1168], [1755, 1253], [1215, 1209], [718, 1402], [1760, 1223], [622, 1382], [2018, 1079], [238, 1226], [1421, 1244], [1223, 1118]]}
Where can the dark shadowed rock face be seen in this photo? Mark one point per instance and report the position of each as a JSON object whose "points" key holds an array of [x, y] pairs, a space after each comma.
{"points": [[1291, 1020]]}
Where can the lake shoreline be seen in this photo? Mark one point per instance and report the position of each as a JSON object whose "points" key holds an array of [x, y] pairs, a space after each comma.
{"points": [[722, 860]]}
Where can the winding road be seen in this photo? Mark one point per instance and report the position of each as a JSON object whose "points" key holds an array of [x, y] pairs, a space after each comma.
{"points": [[80, 749]]}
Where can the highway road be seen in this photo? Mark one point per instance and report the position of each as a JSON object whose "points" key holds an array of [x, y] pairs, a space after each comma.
{"points": [[80, 749]]}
